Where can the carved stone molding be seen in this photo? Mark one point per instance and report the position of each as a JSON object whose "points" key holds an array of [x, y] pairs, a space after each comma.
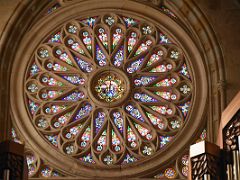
{"points": [[153, 2]]}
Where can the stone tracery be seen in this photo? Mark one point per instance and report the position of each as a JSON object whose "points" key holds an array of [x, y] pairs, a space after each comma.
{"points": [[150, 85]]}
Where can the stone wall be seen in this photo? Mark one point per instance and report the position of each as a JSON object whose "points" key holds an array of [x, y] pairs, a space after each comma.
{"points": [[224, 16], [7, 8]]}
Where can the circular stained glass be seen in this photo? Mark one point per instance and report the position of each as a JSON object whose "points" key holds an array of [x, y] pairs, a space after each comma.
{"points": [[170, 173], [108, 90]]}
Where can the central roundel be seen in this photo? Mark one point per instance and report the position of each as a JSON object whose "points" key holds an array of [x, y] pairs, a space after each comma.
{"points": [[109, 87]]}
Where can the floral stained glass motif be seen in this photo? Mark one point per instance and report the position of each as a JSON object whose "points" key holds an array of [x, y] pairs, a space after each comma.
{"points": [[166, 82], [56, 67], [85, 139], [156, 57], [99, 120], [55, 38], [83, 111], [118, 121], [34, 69], [117, 36], [132, 40], [48, 172], [75, 46], [184, 71], [89, 21], [115, 142], [156, 121], [144, 47], [119, 57], [134, 112], [108, 90], [102, 141], [167, 95], [72, 132], [144, 97], [162, 68], [74, 79], [88, 159], [83, 65], [75, 96], [144, 80], [170, 173], [63, 56], [131, 137], [101, 58], [103, 37], [165, 140], [33, 107], [51, 81], [130, 21], [134, 66]]}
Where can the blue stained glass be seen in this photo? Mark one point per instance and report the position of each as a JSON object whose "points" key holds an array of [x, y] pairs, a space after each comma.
{"points": [[130, 22], [134, 112], [185, 108], [144, 97], [83, 65], [164, 39], [55, 38], [99, 120], [52, 140], [101, 58], [89, 21], [118, 58], [83, 111], [34, 69], [75, 96], [118, 121], [134, 66], [33, 107], [74, 79], [164, 140], [129, 159], [88, 159], [144, 80], [56, 174], [184, 71]]}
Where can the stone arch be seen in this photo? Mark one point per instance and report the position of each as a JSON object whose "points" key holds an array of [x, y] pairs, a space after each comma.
{"points": [[190, 18]]}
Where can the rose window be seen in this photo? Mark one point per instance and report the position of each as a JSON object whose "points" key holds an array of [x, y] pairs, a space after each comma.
{"points": [[108, 90]]}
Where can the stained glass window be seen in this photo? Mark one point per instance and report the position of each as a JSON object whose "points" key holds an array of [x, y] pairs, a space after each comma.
{"points": [[108, 90]]}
